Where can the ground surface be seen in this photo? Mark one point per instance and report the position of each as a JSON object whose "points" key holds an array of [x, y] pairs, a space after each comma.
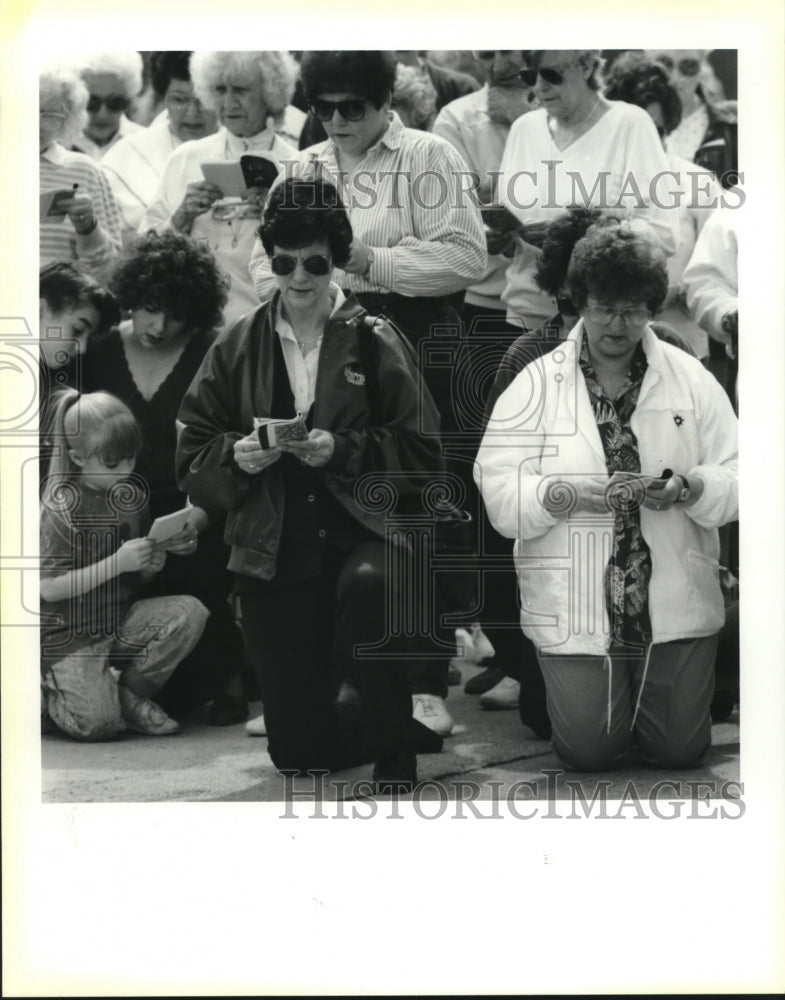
{"points": [[488, 749]]}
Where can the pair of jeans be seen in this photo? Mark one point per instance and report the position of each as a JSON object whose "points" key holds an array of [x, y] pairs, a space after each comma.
{"points": [[80, 691], [305, 638], [591, 704]]}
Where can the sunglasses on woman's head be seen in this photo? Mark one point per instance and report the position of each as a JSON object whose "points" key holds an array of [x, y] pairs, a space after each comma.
{"points": [[351, 110], [117, 103], [284, 264]]}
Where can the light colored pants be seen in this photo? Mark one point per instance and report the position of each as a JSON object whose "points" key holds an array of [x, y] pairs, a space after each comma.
{"points": [[80, 692], [673, 723]]}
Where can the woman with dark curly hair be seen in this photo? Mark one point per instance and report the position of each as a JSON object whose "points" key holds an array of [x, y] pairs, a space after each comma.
{"points": [[613, 461], [315, 566], [175, 296]]}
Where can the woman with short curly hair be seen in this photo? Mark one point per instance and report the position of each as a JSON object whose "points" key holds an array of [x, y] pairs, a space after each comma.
{"points": [[246, 90], [612, 461], [113, 80], [175, 295]]}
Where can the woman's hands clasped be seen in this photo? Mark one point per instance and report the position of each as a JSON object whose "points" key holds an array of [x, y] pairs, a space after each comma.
{"points": [[79, 209]]}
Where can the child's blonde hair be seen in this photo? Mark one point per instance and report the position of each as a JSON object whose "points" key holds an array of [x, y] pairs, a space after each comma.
{"points": [[95, 423]]}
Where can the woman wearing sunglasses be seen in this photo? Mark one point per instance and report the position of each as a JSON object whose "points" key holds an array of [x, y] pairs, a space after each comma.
{"points": [[113, 80], [243, 89], [312, 567], [576, 149], [80, 222], [612, 460]]}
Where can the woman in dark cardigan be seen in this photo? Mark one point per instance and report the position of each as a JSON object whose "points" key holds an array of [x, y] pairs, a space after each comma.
{"points": [[175, 296]]}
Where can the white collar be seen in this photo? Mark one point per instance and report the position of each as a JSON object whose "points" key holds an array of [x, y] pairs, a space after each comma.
{"points": [[262, 141], [54, 153]]}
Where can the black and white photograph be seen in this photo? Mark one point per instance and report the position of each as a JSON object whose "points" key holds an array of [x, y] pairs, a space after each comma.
{"points": [[375, 456]]}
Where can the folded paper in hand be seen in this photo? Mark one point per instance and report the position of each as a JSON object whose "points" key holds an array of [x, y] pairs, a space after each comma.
{"points": [[166, 527], [273, 432]]}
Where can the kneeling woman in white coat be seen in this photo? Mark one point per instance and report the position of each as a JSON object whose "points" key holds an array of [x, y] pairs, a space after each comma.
{"points": [[612, 461]]}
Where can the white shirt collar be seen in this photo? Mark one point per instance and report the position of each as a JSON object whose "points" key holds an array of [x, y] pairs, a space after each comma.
{"points": [[262, 141], [54, 153]]}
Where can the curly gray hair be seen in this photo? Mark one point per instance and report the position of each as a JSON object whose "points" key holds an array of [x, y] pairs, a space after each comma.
{"points": [[276, 70]]}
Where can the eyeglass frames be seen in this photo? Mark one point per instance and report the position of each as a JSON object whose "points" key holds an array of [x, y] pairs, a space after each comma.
{"points": [[114, 103], [554, 77], [284, 264], [352, 109], [603, 315]]}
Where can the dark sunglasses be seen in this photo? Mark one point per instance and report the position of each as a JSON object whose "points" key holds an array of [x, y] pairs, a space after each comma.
{"points": [[553, 76], [687, 67], [284, 264], [351, 110], [112, 103]]}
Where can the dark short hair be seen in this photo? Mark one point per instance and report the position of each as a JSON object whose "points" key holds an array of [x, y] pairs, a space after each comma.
{"points": [[618, 263], [62, 287], [300, 212], [366, 74], [634, 78], [563, 233], [168, 66], [170, 273]]}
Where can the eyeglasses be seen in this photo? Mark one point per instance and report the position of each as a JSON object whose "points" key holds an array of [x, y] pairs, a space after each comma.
{"points": [[602, 315], [179, 101], [487, 56], [352, 110], [283, 264], [116, 103], [52, 117], [234, 210], [554, 77]]}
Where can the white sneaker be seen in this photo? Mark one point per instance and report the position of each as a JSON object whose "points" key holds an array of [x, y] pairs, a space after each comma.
{"points": [[504, 695], [430, 710], [256, 727], [475, 645]]}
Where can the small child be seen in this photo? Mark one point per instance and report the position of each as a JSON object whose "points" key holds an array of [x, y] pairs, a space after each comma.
{"points": [[94, 558]]}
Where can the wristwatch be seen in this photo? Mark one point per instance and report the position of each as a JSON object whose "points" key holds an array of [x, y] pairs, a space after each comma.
{"points": [[685, 493], [369, 263]]}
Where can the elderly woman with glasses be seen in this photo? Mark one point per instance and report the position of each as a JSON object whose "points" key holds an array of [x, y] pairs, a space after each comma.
{"points": [[577, 148], [243, 89], [314, 563], [80, 222], [134, 164], [612, 460], [113, 80]]}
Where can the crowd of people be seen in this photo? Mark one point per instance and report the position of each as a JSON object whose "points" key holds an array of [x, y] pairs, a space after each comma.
{"points": [[359, 366]]}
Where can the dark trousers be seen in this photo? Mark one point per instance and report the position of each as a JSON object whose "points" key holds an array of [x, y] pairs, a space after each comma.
{"points": [[302, 638]]}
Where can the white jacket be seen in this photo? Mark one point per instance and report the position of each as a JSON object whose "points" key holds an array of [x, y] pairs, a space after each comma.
{"points": [[543, 425]]}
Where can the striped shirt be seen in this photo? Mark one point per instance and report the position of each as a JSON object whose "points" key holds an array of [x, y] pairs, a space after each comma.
{"points": [[409, 200], [58, 240]]}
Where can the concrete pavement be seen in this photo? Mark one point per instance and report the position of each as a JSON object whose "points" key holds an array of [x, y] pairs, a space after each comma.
{"points": [[489, 749]]}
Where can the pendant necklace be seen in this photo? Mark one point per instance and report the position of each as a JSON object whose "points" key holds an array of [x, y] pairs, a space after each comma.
{"points": [[576, 129]]}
